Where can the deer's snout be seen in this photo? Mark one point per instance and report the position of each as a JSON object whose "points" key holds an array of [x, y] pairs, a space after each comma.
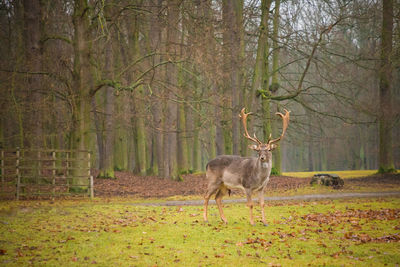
{"points": [[263, 157]]}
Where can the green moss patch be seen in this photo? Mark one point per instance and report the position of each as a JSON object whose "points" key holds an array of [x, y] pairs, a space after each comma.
{"points": [[340, 232]]}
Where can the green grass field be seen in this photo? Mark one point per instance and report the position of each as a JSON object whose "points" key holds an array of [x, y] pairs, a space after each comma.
{"points": [[361, 232], [342, 174]]}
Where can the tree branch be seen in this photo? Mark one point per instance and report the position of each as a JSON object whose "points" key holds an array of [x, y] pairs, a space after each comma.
{"points": [[56, 37], [299, 89]]}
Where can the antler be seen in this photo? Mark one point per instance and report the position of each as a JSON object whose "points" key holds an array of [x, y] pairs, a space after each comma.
{"points": [[244, 115], [285, 121]]}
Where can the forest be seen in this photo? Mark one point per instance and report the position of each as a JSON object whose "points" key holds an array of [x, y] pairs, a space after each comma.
{"points": [[155, 87]]}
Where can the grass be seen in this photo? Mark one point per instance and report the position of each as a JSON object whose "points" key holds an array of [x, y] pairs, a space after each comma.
{"points": [[342, 174], [75, 233]]}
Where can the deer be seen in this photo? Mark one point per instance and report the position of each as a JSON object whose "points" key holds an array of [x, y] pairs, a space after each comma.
{"points": [[251, 174]]}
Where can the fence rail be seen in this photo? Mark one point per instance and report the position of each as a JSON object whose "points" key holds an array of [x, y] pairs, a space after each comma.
{"points": [[51, 172]]}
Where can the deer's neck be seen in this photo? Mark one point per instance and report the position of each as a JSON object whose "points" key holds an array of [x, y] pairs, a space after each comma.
{"points": [[264, 168]]}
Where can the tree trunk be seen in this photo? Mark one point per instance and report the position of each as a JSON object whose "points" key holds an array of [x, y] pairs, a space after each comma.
{"points": [[207, 36], [122, 132], [33, 56], [183, 161], [233, 24], [170, 137], [82, 82], [98, 122], [153, 46], [275, 82], [107, 170], [196, 144], [261, 77], [139, 98], [385, 91], [140, 132]]}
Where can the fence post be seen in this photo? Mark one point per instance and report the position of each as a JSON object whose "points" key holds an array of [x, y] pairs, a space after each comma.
{"points": [[91, 187], [39, 168], [2, 167], [3, 186], [67, 170], [18, 184], [89, 163], [90, 177], [54, 173]]}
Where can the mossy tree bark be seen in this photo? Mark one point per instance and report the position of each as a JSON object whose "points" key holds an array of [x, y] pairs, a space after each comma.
{"points": [[82, 82], [277, 162], [386, 163], [233, 27], [171, 107], [139, 107], [33, 63], [260, 80], [264, 65], [141, 132], [107, 170], [153, 43], [196, 144], [182, 141]]}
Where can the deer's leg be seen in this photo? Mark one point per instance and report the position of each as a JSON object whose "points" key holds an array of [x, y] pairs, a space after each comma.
{"points": [[262, 205], [218, 199], [250, 205], [211, 189]]}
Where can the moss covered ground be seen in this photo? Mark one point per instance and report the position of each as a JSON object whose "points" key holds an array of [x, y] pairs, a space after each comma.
{"points": [[361, 232]]}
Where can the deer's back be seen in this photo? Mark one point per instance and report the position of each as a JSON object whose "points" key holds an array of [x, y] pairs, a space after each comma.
{"points": [[221, 163]]}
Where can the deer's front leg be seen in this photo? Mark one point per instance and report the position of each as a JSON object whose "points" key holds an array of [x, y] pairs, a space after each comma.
{"points": [[250, 205], [262, 205]]}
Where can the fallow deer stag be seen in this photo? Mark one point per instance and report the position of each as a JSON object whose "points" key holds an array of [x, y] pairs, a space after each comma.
{"points": [[250, 174]]}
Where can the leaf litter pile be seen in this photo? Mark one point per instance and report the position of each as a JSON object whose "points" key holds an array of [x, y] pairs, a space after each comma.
{"points": [[100, 233], [128, 184]]}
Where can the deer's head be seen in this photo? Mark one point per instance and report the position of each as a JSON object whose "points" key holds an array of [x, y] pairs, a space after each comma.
{"points": [[264, 149]]}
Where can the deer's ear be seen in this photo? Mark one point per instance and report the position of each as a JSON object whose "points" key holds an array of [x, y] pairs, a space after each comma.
{"points": [[272, 147], [254, 147]]}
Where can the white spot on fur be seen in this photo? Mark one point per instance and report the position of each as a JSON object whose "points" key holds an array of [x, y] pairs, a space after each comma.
{"points": [[231, 180]]}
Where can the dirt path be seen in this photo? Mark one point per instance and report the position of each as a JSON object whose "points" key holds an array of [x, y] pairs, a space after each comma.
{"points": [[286, 198]]}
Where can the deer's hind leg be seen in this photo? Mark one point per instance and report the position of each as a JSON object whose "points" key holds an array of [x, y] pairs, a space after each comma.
{"points": [[218, 199], [211, 189]]}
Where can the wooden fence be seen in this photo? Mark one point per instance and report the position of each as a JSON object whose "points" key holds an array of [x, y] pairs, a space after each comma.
{"points": [[45, 172]]}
